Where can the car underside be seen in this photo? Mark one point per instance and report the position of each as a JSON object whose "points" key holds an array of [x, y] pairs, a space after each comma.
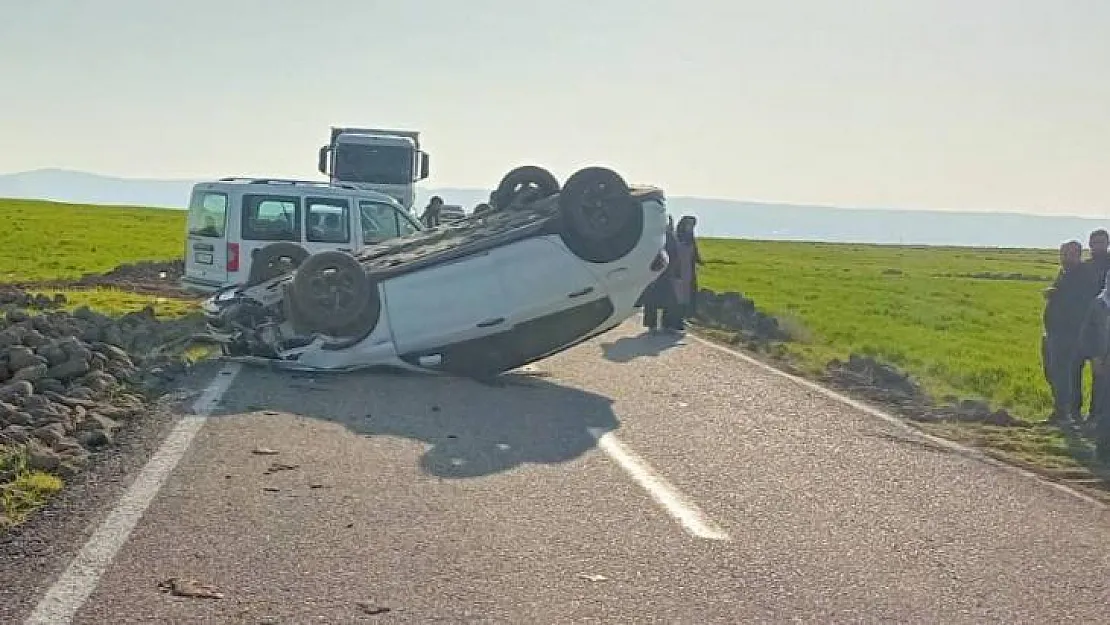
{"points": [[582, 253]]}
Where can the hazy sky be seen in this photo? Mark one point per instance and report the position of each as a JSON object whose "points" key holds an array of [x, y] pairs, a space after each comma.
{"points": [[968, 104]]}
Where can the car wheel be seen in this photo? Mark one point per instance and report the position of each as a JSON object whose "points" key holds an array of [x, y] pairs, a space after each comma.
{"points": [[524, 184], [330, 291], [276, 259], [601, 221]]}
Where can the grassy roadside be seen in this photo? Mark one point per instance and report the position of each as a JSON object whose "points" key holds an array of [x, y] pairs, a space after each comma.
{"points": [[964, 323], [47, 241]]}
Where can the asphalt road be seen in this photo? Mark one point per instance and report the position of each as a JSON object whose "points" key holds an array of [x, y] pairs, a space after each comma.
{"points": [[723, 494]]}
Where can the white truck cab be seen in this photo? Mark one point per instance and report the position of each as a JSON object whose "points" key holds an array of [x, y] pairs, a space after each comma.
{"points": [[382, 160], [230, 220]]}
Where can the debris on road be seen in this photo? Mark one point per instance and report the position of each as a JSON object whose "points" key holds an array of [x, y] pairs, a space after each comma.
{"points": [[265, 451], [278, 466], [190, 588], [372, 609], [593, 577]]}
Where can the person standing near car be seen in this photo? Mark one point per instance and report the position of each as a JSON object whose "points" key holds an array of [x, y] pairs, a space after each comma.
{"points": [[1094, 344], [1098, 263], [659, 295], [430, 218], [686, 273], [1066, 306]]}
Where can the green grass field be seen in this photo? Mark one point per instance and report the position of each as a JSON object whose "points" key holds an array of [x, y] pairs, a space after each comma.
{"points": [[963, 322], [47, 240]]}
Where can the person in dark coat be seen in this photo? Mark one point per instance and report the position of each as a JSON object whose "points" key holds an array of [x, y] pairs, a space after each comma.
{"points": [[1098, 264], [1066, 307], [686, 266], [1094, 344], [659, 295], [430, 217]]}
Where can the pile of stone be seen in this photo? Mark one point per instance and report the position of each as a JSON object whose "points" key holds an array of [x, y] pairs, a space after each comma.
{"points": [[884, 383], [732, 311], [69, 381]]}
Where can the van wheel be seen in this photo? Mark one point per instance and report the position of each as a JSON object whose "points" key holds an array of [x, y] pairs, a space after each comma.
{"points": [[274, 260], [601, 221], [524, 184], [331, 290]]}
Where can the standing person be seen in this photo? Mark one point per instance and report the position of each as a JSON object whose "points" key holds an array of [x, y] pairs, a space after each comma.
{"points": [[686, 272], [1066, 306], [659, 296], [430, 218], [1097, 264], [1094, 342]]}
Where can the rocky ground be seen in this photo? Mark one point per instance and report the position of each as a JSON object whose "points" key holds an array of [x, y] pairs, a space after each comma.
{"points": [[69, 382]]}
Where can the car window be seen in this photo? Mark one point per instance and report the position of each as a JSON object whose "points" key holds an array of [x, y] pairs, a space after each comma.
{"points": [[208, 214], [327, 220], [381, 221], [271, 218]]}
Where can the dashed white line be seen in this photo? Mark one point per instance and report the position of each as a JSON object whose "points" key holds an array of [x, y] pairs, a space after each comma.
{"points": [[70, 592], [686, 512]]}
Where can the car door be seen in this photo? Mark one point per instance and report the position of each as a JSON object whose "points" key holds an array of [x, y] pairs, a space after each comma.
{"points": [[327, 224], [443, 305], [542, 278], [206, 245]]}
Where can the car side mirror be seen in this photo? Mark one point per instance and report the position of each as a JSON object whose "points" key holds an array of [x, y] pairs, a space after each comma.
{"points": [[424, 165], [322, 161]]}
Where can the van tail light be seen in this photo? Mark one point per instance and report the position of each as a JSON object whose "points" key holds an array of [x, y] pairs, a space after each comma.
{"points": [[233, 257], [659, 263]]}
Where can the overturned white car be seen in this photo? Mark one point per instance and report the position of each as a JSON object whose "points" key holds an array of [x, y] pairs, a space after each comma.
{"points": [[545, 269]]}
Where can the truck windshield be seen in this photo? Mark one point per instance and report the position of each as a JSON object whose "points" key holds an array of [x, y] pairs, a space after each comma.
{"points": [[376, 164]]}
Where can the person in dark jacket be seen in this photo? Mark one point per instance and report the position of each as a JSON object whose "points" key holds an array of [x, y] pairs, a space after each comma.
{"points": [[430, 218], [686, 266], [1067, 303], [659, 296], [1094, 344], [1098, 264]]}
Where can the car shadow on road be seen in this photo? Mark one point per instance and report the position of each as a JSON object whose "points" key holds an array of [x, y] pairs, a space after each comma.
{"points": [[471, 429], [628, 348]]}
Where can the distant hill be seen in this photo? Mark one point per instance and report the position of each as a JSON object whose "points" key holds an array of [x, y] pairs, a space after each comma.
{"points": [[718, 218]]}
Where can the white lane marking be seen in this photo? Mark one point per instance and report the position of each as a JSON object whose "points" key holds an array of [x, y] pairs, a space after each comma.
{"points": [[70, 592], [692, 519], [900, 423]]}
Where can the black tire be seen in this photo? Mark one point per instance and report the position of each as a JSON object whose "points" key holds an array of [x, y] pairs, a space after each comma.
{"points": [[330, 290], [522, 185], [276, 259], [601, 221]]}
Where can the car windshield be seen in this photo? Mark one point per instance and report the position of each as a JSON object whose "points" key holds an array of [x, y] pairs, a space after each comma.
{"points": [[380, 164]]}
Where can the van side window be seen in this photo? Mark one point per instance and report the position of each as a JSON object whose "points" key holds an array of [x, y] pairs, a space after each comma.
{"points": [[327, 220], [208, 214], [271, 218]]}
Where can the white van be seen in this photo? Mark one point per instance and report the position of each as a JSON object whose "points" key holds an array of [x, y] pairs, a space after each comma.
{"points": [[231, 220]]}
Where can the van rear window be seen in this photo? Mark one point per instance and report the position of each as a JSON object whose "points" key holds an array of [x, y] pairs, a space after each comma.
{"points": [[208, 214], [271, 218]]}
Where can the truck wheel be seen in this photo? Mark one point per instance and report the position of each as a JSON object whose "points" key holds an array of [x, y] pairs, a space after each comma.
{"points": [[276, 259], [601, 221], [330, 290], [526, 183]]}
